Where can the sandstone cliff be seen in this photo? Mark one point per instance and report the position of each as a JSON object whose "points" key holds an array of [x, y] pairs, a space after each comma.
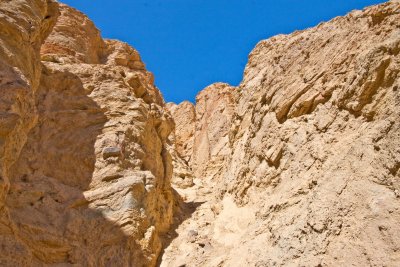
{"points": [[181, 140], [23, 27], [202, 130], [313, 177], [184, 116], [297, 166], [214, 111], [91, 185]]}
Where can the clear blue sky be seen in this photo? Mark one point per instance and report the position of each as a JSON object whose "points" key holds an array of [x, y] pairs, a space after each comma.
{"points": [[189, 44]]}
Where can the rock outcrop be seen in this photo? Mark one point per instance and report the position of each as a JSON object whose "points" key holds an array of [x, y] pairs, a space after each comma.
{"points": [[184, 116], [202, 130], [214, 112], [91, 186], [201, 135], [181, 141], [315, 144], [312, 177]]}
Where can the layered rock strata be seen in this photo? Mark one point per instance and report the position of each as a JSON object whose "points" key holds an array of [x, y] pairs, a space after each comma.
{"points": [[316, 144]]}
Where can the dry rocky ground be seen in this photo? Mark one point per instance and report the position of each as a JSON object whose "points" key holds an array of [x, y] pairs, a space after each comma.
{"points": [[296, 166]]}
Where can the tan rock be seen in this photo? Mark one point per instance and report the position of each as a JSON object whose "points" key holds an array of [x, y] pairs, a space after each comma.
{"points": [[184, 116], [313, 174], [202, 131], [214, 113], [181, 140], [91, 186], [74, 39], [298, 166], [23, 27]]}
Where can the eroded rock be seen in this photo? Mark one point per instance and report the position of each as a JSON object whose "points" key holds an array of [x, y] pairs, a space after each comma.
{"points": [[298, 165], [310, 176], [91, 186]]}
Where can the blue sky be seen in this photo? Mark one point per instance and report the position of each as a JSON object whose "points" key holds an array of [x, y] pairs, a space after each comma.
{"points": [[189, 44]]}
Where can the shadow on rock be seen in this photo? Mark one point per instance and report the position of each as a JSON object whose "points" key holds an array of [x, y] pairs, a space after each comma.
{"points": [[184, 212]]}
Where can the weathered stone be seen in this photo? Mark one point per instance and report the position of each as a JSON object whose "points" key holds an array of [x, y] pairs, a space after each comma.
{"points": [[297, 166], [201, 135], [310, 176], [111, 152], [91, 186]]}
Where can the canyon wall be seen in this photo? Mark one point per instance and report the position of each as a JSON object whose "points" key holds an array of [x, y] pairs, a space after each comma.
{"points": [[181, 140], [86, 166], [296, 166], [214, 111], [23, 27], [202, 130], [311, 170], [316, 144]]}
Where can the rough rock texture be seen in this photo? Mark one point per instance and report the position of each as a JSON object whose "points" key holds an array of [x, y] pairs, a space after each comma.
{"points": [[181, 141], [201, 134], [184, 116], [313, 176], [23, 26], [77, 40], [202, 130], [91, 186], [214, 111], [298, 166]]}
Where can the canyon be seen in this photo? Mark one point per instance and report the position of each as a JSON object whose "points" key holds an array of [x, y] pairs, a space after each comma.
{"points": [[298, 165]]}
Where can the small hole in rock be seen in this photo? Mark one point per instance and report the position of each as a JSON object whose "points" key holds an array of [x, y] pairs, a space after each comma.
{"points": [[24, 178]]}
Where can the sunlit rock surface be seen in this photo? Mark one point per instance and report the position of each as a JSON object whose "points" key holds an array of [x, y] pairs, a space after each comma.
{"points": [[296, 166], [91, 186], [312, 173]]}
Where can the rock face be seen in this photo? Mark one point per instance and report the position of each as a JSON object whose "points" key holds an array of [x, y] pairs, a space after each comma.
{"points": [[311, 174], [214, 111], [201, 135], [202, 131], [297, 166], [23, 27], [316, 144], [91, 185], [184, 116], [182, 142]]}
